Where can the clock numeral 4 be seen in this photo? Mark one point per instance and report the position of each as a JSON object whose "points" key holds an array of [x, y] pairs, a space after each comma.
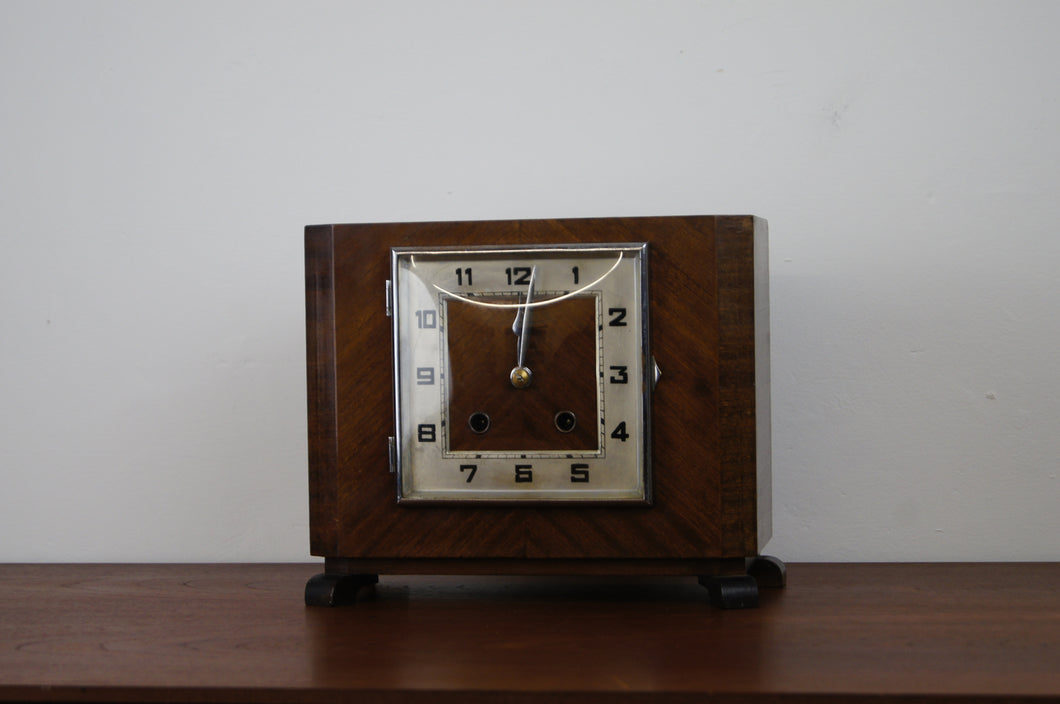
{"points": [[620, 433]]}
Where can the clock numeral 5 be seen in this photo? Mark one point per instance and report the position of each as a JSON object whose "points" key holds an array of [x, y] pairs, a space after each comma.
{"points": [[579, 473]]}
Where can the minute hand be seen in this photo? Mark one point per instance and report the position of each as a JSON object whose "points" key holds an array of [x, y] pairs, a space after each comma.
{"points": [[521, 326]]}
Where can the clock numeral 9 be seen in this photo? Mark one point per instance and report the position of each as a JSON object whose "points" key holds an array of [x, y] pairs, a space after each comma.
{"points": [[425, 376], [524, 473]]}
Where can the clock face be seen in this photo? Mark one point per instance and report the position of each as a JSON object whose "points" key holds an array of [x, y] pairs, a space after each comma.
{"points": [[521, 373]]}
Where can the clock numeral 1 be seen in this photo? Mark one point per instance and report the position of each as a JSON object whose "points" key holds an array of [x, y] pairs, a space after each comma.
{"points": [[471, 473], [426, 432], [524, 473], [619, 433], [574, 270], [579, 473]]}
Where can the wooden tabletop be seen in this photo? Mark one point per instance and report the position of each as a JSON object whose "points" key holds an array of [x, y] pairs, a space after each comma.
{"points": [[241, 633]]}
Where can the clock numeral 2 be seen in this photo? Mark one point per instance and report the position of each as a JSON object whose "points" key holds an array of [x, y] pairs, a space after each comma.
{"points": [[524, 473], [579, 473], [426, 432], [618, 317]]}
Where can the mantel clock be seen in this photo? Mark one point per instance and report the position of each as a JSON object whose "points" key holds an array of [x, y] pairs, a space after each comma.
{"points": [[577, 396]]}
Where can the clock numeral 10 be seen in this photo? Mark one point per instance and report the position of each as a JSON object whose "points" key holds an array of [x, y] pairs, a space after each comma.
{"points": [[427, 319]]}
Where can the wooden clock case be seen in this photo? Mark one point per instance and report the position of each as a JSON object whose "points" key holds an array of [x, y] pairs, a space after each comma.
{"points": [[709, 324]]}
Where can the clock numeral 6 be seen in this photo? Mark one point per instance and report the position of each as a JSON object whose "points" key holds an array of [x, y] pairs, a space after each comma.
{"points": [[579, 473], [524, 473]]}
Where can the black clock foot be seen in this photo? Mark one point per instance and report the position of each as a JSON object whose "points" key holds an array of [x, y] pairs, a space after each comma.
{"points": [[336, 589], [736, 591], [768, 571], [740, 591]]}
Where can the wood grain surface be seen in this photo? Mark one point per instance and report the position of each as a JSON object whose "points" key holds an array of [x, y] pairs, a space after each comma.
{"points": [[709, 413], [240, 633]]}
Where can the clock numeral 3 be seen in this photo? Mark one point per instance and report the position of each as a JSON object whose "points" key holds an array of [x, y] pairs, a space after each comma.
{"points": [[621, 375]]}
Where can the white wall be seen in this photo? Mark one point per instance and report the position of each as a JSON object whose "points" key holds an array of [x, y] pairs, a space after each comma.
{"points": [[158, 162]]}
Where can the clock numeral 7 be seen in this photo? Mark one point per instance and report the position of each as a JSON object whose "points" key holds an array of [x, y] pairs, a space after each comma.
{"points": [[471, 474]]}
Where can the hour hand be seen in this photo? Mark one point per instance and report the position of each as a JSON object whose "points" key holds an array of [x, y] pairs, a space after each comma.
{"points": [[520, 376]]}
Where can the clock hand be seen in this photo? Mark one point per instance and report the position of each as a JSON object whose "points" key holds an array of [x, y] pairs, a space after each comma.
{"points": [[520, 376]]}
